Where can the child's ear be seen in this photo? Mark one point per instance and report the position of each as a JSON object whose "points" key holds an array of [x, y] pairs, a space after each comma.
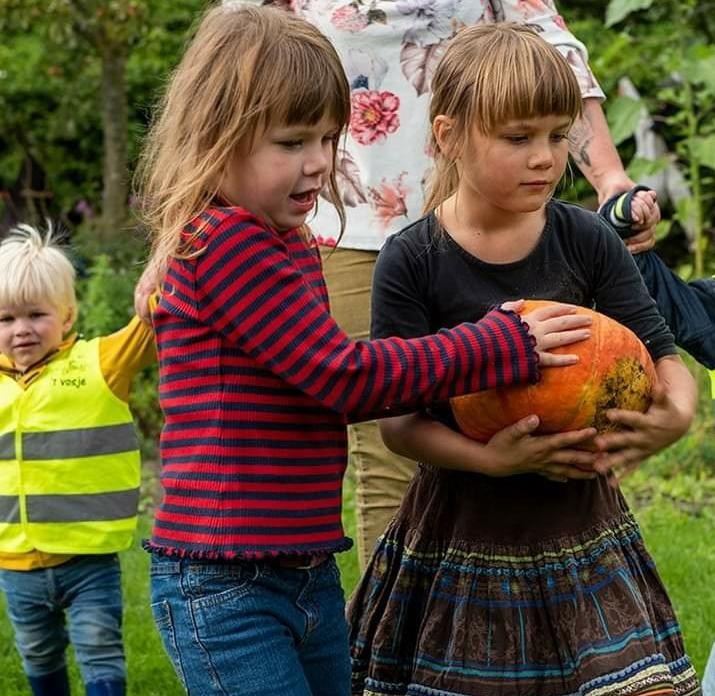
{"points": [[69, 320], [443, 129]]}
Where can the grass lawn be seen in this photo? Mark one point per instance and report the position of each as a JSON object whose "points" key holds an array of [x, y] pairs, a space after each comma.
{"points": [[683, 544]]}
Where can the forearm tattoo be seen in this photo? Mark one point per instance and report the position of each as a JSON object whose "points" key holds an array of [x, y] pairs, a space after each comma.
{"points": [[580, 139]]}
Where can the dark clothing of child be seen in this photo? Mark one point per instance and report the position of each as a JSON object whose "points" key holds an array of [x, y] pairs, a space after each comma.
{"points": [[514, 585]]}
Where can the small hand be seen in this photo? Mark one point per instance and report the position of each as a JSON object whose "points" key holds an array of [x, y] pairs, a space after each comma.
{"points": [[147, 285], [621, 452], [514, 450], [646, 215], [554, 326], [619, 182]]}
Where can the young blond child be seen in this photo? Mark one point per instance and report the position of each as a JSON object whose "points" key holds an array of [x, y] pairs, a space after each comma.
{"points": [[69, 470]]}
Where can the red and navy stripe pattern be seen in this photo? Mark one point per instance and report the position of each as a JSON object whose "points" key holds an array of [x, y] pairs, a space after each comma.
{"points": [[257, 383]]}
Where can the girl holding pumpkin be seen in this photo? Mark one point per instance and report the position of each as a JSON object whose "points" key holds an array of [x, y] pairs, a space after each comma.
{"points": [[507, 582]]}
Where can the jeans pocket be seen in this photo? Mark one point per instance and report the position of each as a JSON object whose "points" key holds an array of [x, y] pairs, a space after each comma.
{"points": [[161, 611], [219, 604], [211, 585]]}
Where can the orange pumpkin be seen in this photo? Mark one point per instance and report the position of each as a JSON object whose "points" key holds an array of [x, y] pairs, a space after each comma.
{"points": [[614, 371]]}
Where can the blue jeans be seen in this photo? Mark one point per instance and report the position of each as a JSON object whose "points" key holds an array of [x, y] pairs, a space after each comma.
{"points": [[88, 589], [253, 629]]}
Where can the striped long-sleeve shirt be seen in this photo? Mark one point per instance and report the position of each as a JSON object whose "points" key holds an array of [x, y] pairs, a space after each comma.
{"points": [[257, 383]]}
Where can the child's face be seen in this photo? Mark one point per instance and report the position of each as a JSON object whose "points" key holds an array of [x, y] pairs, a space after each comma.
{"points": [[280, 178], [516, 168], [29, 332]]}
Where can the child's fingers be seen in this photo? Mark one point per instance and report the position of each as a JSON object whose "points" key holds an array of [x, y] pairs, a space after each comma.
{"points": [[565, 323], [521, 429], [644, 199], [651, 195], [569, 440], [618, 441], [645, 214], [629, 419], [616, 464], [513, 306], [556, 339], [583, 459], [638, 210], [554, 360], [556, 309]]}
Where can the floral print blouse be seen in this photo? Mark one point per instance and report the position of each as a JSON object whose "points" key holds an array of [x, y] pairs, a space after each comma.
{"points": [[389, 49]]}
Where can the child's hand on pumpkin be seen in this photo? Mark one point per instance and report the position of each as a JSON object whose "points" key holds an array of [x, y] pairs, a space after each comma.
{"points": [[514, 450], [644, 434], [554, 326]]}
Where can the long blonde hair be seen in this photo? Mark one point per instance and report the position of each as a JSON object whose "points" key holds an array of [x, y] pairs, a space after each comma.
{"points": [[246, 68], [490, 74]]}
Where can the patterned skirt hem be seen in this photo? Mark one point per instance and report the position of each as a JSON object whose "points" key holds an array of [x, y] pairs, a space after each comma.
{"points": [[675, 679]]}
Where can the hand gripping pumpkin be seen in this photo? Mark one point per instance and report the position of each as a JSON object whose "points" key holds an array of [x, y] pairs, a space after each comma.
{"points": [[614, 371]]}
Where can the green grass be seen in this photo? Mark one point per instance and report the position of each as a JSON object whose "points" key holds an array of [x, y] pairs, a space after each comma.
{"points": [[681, 539], [683, 546]]}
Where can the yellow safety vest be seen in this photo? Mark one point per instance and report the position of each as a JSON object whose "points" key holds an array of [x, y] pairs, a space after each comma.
{"points": [[69, 460]]}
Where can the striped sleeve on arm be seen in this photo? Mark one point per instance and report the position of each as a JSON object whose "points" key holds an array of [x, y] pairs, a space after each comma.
{"points": [[250, 290]]}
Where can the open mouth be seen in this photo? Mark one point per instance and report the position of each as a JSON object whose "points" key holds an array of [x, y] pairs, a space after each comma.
{"points": [[305, 197]]}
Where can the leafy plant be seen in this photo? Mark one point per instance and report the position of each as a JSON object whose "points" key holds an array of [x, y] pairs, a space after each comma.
{"points": [[684, 94], [77, 80]]}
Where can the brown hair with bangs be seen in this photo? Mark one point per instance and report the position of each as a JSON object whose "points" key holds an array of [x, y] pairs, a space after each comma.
{"points": [[246, 68], [491, 74]]}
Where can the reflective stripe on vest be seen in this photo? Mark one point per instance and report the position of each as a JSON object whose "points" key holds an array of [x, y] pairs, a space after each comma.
{"points": [[9, 509], [82, 442], [7, 446], [82, 507]]}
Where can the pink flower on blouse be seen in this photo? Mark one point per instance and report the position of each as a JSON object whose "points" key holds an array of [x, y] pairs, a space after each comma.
{"points": [[325, 241], [531, 7], [348, 18], [559, 22], [388, 200], [374, 115]]}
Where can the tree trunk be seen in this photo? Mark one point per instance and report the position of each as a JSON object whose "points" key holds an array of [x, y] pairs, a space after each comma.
{"points": [[115, 125]]}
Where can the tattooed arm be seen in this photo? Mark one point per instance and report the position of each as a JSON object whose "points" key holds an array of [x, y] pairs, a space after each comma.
{"points": [[596, 156]]}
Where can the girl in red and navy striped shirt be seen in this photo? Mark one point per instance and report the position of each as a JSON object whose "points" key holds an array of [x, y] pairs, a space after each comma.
{"points": [[257, 382]]}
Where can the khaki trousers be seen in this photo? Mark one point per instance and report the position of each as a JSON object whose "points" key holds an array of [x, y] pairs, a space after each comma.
{"points": [[381, 476]]}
